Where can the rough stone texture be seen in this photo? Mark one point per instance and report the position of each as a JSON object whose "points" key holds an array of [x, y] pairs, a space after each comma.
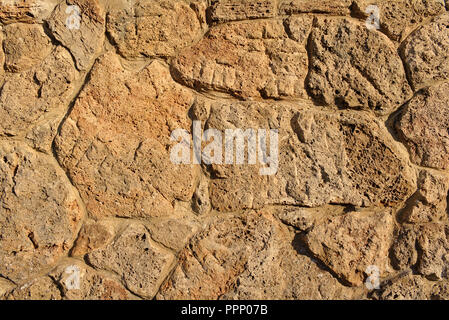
{"points": [[230, 10], [43, 88], [92, 286], [423, 125], [247, 258], [25, 46], [87, 178], [337, 7], [348, 244], [154, 27], [246, 59], [426, 53], [115, 140], [84, 43], [140, 263], [400, 17], [39, 214], [324, 158], [424, 247], [345, 72]]}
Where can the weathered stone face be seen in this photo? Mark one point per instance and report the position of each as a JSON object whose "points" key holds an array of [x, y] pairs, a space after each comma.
{"points": [[426, 53], [114, 142], [155, 27], [324, 157], [250, 59], [423, 127], [345, 72], [39, 215]]}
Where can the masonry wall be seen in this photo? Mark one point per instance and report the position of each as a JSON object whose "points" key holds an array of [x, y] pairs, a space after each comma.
{"points": [[351, 201]]}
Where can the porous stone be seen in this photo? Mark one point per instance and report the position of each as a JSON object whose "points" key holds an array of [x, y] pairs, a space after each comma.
{"points": [[27, 11], [400, 17], [230, 10], [247, 257], [25, 45], [80, 282], [42, 288], [430, 201], [247, 59], [39, 216], [425, 247], [114, 142], [352, 67], [85, 41], [423, 124], [350, 243], [426, 53], [335, 7], [172, 233], [154, 28], [136, 259], [407, 287], [324, 157], [44, 88]]}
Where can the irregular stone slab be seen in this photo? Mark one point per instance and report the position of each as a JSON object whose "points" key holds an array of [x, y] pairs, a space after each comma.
{"points": [[423, 124], [39, 216], [136, 259], [430, 201], [172, 233], [5, 288], [350, 243], [231, 10], [42, 288], [431, 241], [154, 28], [27, 11], [335, 7], [407, 287], [87, 40], [426, 53], [2, 59], [25, 45], [93, 285], [352, 67], [92, 236], [44, 88], [398, 18], [324, 157], [247, 257], [114, 143], [246, 59]]}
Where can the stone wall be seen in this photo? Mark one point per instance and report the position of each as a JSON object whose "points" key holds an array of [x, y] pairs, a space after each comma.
{"points": [[92, 205]]}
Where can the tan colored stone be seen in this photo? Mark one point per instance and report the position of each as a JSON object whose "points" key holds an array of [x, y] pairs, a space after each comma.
{"points": [[350, 243], [247, 257], [324, 157], [93, 285], [426, 247], [426, 53], [41, 136], [246, 59], [42, 288], [93, 236], [5, 287], [114, 142], [430, 201], [154, 28], [25, 45], [136, 259], [335, 7], [201, 197], [399, 17], [408, 287], [39, 216], [27, 11], [171, 233], [345, 72], [86, 42], [230, 10], [423, 125], [44, 88]]}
